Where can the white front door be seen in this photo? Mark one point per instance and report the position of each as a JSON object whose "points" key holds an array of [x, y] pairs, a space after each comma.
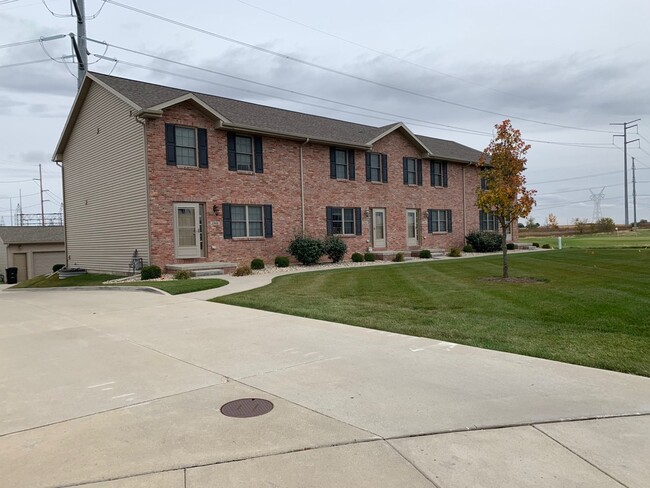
{"points": [[188, 230], [378, 227], [412, 231]]}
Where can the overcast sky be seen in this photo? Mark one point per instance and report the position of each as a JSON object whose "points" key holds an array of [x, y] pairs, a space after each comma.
{"points": [[561, 70]]}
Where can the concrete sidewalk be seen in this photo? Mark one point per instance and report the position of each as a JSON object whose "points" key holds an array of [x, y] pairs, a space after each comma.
{"points": [[124, 390]]}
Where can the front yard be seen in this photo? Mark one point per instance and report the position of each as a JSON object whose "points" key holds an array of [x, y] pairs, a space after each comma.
{"points": [[587, 307]]}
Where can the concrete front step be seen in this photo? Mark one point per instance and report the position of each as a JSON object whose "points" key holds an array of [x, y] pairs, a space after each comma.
{"points": [[203, 269]]}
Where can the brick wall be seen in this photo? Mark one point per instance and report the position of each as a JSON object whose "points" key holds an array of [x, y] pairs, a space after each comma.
{"points": [[279, 185]]}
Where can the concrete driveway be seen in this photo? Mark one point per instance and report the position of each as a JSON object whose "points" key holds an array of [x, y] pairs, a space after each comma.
{"points": [[112, 389]]}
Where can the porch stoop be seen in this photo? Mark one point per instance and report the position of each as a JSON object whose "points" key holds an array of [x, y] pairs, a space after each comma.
{"points": [[203, 269], [408, 255]]}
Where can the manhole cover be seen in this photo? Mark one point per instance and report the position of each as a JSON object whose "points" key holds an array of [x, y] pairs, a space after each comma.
{"points": [[247, 407]]}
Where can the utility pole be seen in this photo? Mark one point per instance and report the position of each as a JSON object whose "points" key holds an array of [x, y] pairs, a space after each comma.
{"points": [[79, 45], [634, 191], [626, 126]]}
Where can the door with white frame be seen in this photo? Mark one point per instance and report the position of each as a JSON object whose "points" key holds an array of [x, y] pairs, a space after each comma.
{"points": [[188, 230], [412, 228], [378, 228]]}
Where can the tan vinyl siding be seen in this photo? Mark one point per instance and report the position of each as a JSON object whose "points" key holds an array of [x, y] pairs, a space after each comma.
{"points": [[105, 186]]}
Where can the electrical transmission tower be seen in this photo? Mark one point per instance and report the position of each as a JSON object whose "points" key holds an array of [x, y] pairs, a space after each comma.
{"points": [[597, 198]]}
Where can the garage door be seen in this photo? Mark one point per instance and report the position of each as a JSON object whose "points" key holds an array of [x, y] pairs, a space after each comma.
{"points": [[43, 261]]}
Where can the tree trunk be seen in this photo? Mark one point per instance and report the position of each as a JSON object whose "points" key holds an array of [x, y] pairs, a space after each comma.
{"points": [[504, 248]]}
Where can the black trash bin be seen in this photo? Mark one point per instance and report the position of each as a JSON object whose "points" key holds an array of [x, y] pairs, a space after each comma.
{"points": [[12, 276]]}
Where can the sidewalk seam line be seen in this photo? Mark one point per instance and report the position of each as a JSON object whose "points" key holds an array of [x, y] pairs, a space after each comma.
{"points": [[412, 464], [579, 456]]}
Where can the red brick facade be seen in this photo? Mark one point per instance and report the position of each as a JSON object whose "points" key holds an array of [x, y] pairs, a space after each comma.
{"points": [[280, 186]]}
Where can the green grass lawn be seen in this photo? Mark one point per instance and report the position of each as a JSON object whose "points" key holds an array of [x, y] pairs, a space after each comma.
{"points": [[592, 307], [175, 287], [638, 239]]}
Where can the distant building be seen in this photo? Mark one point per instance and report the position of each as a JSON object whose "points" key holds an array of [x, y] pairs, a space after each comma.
{"points": [[33, 250]]}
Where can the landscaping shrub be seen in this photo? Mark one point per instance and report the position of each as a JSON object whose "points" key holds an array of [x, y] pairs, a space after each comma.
{"points": [[334, 248], [282, 261], [150, 272], [243, 271], [546, 246], [399, 257], [510, 246], [369, 257], [468, 248], [182, 275], [606, 224], [535, 244], [484, 241], [425, 254], [57, 267], [357, 257], [257, 263], [454, 252], [307, 250]]}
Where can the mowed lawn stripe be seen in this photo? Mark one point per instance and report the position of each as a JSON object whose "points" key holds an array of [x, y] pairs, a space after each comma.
{"points": [[587, 308]]}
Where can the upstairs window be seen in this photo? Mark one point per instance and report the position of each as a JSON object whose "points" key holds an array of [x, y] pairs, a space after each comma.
{"points": [[377, 167], [186, 146], [438, 173], [343, 221], [245, 153], [412, 171], [439, 221], [342, 164]]}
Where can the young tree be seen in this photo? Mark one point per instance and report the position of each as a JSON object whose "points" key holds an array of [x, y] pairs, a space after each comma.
{"points": [[505, 195]]}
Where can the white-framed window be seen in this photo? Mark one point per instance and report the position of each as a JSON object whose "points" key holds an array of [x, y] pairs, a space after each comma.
{"points": [[344, 221], [488, 221], [185, 146], [342, 164], [410, 171], [438, 173], [247, 220], [244, 153], [439, 221]]}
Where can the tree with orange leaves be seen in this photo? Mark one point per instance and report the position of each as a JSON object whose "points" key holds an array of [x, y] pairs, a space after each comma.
{"points": [[504, 193]]}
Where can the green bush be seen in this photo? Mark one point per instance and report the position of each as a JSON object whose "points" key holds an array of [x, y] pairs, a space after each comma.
{"points": [[535, 244], [307, 250], [357, 257], [57, 267], [510, 246], [399, 257], [182, 275], [546, 246], [454, 252], [468, 248], [282, 261], [150, 272], [606, 224], [425, 254], [257, 263], [334, 248], [484, 241], [243, 271], [369, 257]]}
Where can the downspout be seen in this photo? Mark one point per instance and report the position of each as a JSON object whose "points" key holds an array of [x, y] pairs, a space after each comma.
{"points": [[146, 179], [302, 186]]}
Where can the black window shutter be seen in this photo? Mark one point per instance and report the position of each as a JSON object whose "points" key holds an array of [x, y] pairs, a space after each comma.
{"points": [[268, 221], [367, 166], [232, 154], [444, 174], [420, 172], [432, 166], [384, 168], [259, 157], [227, 222], [405, 170], [430, 220], [170, 143], [351, 164], [448, 220], [332, 163], [203, 147], [357, 221], [328, 213]]}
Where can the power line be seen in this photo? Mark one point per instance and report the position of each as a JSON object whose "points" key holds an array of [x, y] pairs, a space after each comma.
{"points": [[341, 73], [24, 63], [33, 41], [575, 178]]}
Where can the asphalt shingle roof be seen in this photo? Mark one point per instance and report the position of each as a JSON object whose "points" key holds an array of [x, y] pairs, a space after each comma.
{"points": [[31, 234], [270, 119]]}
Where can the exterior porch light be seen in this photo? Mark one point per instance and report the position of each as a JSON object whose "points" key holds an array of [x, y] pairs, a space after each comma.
{"points": [[215, 209]]}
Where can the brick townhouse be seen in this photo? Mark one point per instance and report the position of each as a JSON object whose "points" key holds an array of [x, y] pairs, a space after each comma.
{"points": [[187, 178]]}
